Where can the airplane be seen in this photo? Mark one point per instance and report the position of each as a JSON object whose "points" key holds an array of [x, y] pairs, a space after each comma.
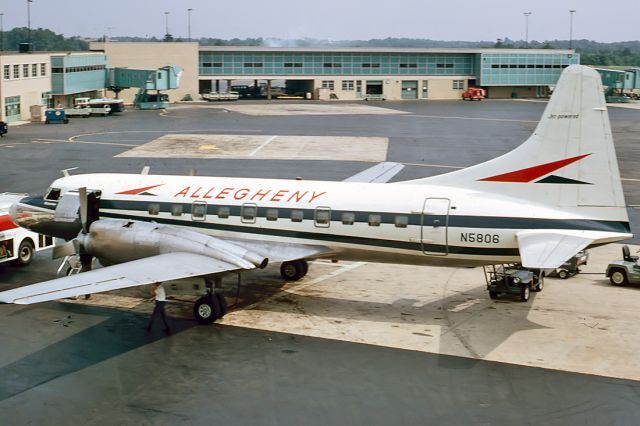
{"points": [[538, 205]]}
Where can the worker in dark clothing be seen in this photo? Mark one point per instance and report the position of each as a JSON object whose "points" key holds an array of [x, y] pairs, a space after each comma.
{"points": [[161, 299]]}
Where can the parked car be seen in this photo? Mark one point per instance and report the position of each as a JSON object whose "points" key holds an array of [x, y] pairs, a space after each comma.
{"points": [[625, 271], [3, 128]]}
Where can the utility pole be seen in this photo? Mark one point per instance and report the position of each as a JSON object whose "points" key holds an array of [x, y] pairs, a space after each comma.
{"points": [[189, 21], [526, 26], [571, 12]]}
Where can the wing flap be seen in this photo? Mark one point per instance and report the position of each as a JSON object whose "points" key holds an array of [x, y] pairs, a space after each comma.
{"points": [[380, 173], [163, 267], [548, 249]]}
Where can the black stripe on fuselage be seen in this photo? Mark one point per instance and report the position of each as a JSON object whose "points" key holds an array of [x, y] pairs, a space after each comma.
{"points": [[454, 221]]}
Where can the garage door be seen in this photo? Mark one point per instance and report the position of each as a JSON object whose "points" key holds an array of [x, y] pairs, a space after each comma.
{"points": [[409, 90]]}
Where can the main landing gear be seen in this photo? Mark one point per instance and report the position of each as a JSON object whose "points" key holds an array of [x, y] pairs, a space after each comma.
{"points": [[211, 306], [294, 270]]}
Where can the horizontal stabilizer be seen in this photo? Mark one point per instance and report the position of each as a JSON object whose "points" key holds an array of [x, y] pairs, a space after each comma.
{"points": [[163, 267], [380, 173], [548, 249]]}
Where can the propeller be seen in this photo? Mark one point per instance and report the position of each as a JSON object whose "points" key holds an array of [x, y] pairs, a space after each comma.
{"points": [[89, 211]]}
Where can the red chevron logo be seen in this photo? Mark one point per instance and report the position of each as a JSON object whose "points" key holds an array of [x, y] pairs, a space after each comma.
{"points": [[137, 191], [533, 173]]}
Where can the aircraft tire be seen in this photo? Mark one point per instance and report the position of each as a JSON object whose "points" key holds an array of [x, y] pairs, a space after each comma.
{"points": [[524, 293], [618, 277], [206, 310], [25, 254], [292, 271], [305, 267]]}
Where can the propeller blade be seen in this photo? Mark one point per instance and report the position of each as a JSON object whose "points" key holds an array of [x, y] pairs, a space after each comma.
{"points": [[82, 195]]}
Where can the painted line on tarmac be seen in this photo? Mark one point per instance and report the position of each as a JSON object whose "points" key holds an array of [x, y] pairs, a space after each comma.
{"points": [[183, 131], [448, 117], [265, 143]]}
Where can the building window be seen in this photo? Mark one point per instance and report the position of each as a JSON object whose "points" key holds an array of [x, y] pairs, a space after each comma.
{"points": [[57, 70], [332, 65], [7, 72], [458, 84], [43, 70], [367, 65], [328, 84], [347, 85], [25, 70], [34, 70], [408, 65], [444, 65], [253, 64], [16, 71], [293, 64]]}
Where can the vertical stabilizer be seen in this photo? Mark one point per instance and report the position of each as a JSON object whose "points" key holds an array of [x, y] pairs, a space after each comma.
{"points": [[569, 161]]}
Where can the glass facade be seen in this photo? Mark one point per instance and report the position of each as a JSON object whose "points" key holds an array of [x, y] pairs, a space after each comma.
{"points": [[523, 69], [78, 73], [247, 63]]}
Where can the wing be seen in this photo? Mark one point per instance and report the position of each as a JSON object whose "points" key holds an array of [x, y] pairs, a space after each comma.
{"points": [[163, 267], [548, 249], [380, 173]]}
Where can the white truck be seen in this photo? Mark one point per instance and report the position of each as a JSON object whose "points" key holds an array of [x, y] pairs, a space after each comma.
{"points": [[17, 245]]}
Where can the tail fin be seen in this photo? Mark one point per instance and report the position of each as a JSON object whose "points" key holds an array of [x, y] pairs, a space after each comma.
{"points": [[569, 161]]}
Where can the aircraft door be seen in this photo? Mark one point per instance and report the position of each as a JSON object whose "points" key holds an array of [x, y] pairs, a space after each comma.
{"points": [[434, 230]]}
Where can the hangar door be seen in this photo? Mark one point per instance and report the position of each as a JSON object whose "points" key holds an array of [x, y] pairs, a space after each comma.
{"points": [[435, 222], [409, 90]]}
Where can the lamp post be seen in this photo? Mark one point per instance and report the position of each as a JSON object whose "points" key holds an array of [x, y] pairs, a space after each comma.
{"points": [[571, 12], [189, 22], [1, 33], [166, 24], [526, 27], [29, 18]]}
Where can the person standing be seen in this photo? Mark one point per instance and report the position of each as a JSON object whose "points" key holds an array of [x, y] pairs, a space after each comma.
{"points": [[161, 299]]}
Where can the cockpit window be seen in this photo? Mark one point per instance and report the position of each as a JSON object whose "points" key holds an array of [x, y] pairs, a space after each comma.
{"points": [[53, 194]]}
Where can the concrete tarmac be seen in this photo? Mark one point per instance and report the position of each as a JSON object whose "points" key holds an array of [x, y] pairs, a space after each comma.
{"points": [[351, 343]]}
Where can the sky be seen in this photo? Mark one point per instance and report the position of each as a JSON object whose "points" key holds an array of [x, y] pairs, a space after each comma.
{"points": [[333, 19]]}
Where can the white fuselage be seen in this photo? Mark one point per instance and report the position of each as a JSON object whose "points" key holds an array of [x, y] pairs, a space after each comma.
{"points": [[399, 223]]}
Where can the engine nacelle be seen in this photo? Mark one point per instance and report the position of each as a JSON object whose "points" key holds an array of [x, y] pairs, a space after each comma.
{"points": [[115, 241]]}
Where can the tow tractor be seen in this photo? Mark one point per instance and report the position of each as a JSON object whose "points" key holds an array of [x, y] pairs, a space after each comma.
{"points": [[625, 271], [572, 266], [474, 94], [17, 245], [512, 279]]}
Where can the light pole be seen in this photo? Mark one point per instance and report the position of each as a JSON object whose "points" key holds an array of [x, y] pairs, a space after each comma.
{"points": [[526, 26], [1, 33], [166, 24], [29, 19], [189, 22], [571, 12]]}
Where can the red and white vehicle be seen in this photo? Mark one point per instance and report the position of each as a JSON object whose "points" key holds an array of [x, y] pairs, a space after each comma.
{"points": [[17, 245]]}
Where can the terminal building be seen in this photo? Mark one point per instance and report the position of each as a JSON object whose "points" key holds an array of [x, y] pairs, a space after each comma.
{"points": [[351, 73]]}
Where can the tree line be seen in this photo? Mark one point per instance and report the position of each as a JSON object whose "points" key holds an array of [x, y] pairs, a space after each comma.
{"points": [[621, 54]]}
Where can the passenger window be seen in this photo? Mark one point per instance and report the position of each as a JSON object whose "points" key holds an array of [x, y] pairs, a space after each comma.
{"points": [[249, 213], [223, 212], [374, 220], [323, 217], [297, 215], [272, 214], [154, 209], [348, 218], [199, 211], [53, 194], [176, 210], [402, 221]]}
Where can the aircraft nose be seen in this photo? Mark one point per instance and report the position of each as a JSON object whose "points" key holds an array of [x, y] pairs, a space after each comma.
{"points": [[22, 212]]}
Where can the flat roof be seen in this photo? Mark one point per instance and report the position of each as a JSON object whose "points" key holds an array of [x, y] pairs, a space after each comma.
{"points": [[376, 50]]}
